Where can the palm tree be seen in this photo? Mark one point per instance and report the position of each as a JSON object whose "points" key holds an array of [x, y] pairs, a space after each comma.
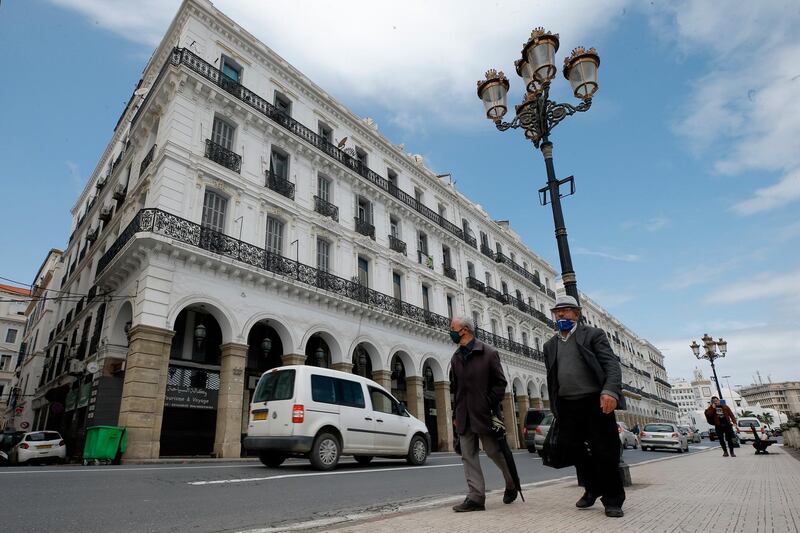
{"points": [[766, 418], [749, 414]]}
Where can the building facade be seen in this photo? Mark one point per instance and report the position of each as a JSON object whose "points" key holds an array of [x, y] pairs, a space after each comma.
{"points": [[241, 219], [783, 397], [13, 301], [38, 333], [683, 395]]}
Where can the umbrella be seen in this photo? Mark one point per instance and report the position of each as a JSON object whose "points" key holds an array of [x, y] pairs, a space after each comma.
{"points": [[499, 430]]}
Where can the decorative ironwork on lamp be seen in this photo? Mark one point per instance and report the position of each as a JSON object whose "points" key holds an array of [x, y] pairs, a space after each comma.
{"points": [[266, 346], [199, 335]]}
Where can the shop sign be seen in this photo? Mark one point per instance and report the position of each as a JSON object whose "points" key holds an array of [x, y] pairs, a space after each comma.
{"points": [[84, 394], [72, 400], [190, 397]]}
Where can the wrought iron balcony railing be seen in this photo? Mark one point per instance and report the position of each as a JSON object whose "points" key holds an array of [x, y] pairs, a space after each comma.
{"points": [[485, 250], [476, 284], [500, 257], [221, 155], [179, 229], [325, 208], [282, 186], [449, 271], [491, 292], [551, 293], [185, 57], [472, 241], [365, 228], [149, 159], [397, 245]]}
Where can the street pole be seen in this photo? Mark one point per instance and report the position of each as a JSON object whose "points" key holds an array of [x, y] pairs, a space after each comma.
{"points": [[714, 371], [567, 271]]}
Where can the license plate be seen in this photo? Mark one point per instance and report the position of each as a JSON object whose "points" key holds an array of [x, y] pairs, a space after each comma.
{"points": [[262, 415], [657, 436], [44, 446]]}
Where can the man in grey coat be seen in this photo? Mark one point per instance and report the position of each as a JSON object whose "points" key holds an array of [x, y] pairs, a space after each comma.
{"points": [[478, 384], [584, 380]]}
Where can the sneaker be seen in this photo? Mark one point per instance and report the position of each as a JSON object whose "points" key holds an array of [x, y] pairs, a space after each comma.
{"points": [[509, 496], [468, 506], [614, 512], [587, 500], [724, 454]]}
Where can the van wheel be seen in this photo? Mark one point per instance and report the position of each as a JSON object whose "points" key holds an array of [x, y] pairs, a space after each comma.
{"points": [[363, 459], [325, 452], [417, 451], [272, 459]]}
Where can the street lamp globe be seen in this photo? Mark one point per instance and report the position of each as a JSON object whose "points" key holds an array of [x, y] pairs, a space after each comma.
{"points": [[494, 93], [695, 349], [580, 68], [540, 53], [723, 346]]}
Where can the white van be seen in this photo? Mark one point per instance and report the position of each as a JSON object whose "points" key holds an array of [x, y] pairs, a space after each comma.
{"points": [[322, 414], [744, 429]]}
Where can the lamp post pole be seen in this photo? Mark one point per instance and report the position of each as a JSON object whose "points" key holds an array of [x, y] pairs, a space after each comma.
{"points": [[537, 115]]}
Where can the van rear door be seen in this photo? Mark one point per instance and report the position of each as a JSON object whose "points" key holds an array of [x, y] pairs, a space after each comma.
{"points": [[271, 410]]}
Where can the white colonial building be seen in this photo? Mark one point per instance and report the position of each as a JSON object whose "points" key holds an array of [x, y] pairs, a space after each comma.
{"points": [[240, 219], [13, 301]]}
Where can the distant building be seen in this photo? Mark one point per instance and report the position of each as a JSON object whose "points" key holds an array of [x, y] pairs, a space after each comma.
{"points": [[783, 397], [683, 395], [13, 301]]}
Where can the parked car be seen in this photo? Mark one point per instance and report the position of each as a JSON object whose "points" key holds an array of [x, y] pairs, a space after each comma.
{"points": [[8, 439], [322, 414], [777, 432], [663, 435], [626, 437], [38, 447], [691, 433], [533, 417], [744, 431], [704, 434], [540, 432]]}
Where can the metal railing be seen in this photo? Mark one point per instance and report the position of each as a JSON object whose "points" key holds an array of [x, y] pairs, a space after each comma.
{"points": [[365, 228], [281, 185], [325, 208], [449, 271], [148, 159], [476, 284], [221, 155], [397, 245]]}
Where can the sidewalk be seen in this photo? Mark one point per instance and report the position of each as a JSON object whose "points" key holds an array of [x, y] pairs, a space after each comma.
{"points": [[699, 492]]}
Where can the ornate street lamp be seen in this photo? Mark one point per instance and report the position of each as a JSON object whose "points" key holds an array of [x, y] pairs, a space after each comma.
{"points": [[712, 350], [199, 335], [537, 115], [266, 346], [319, 356]]}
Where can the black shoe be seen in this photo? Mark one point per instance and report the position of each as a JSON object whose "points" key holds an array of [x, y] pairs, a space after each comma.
{"points": [[587, 500], [614, 512], [509, 495], [468, 506]]}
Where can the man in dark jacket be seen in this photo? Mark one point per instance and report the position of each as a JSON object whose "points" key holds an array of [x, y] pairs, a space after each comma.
{"points": [[584, 380], [721, 417], [479, 384]]}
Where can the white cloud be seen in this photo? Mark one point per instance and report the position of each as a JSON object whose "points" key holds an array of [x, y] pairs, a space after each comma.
{"points": [[418, 60], [627, 258], [77, 180], [762, 287], [747, 103]]}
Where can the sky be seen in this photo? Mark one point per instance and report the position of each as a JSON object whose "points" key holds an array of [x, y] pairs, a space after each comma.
{"points": [[685, 218]]}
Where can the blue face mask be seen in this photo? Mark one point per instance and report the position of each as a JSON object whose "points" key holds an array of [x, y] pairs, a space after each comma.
{"points": [[565, 324]]}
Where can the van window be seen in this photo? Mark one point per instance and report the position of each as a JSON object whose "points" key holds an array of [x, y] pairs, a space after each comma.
{"points": [[325, 389], [745, 423], [384, 403], [275, 386], [534, 418]]}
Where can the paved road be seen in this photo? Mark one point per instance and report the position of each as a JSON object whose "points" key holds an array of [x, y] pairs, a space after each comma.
{"points": [[233, 496]]}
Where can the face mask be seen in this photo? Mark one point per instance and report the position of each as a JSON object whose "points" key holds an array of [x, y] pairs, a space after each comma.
{"points": [[455, 337], [565, 324]]}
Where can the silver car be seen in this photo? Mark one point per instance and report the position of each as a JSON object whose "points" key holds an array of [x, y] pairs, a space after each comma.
{"points": [[626, 437], [691, 433], [663, 435], [540, 433]]}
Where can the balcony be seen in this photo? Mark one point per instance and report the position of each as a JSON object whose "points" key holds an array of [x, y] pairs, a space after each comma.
{"points": [[283, 186], [476, 284], [397, 245], [551, 293], [149, 159], [120, 192], [449, 271], [325, 208], [105, 214], [222, 156], [485, 250], [424, 259], [365, 228], [469, 239], [491, 292]]}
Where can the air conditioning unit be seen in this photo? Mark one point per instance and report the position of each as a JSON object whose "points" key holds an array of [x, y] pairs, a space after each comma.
{"points": [[76, 367]]}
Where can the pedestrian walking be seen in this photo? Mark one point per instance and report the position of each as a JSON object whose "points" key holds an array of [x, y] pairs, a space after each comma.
{"points": [[584, 380], [479, 386], [635, 429], [721, 417]]}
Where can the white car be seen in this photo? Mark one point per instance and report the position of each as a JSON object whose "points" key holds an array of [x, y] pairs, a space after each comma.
{"points": [[663, 435], [744, 429], [626, 436], [322, 414], [39, 446]]}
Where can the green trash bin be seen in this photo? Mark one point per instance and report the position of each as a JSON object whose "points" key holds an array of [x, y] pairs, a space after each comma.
{"points": [[104, 444]]}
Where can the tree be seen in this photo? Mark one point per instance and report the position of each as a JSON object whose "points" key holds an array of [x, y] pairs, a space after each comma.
{"points": [[766, 418], [750, 414]]}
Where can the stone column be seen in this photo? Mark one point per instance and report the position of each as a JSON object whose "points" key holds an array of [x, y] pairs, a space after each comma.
{"points": [[414, 397], [536, 403], [142, 406], [522, 401], [545, 404], [383, 378], [293, 359], [444, 416], [343, 367], [227, 439], [510, 419]]}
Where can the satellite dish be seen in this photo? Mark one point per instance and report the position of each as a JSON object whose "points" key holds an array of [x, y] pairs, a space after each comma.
{"points": [[341, 143], [92, 367]]}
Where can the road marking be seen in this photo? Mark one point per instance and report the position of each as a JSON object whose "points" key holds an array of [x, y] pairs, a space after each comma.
{"points": [[84, 470], [315, 474]]}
